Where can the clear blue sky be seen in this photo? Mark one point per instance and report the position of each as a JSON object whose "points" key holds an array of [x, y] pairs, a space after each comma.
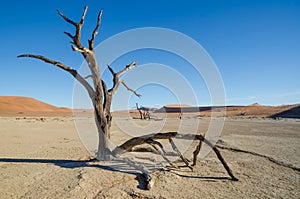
{"points": [[254, 43]]}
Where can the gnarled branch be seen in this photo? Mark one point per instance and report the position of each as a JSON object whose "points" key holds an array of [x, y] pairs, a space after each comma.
{"points": [[117, 81], [88, 76], [107, 99], [111, 70], [129, 89], [131, 143], [90, 58], [66, 18], [127, 68], [78, 26], [70, 70], [77, 49], [179, 153], [92, 40]]}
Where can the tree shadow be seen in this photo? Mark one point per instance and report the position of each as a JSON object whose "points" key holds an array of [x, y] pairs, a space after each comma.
{"points": [[117, 166], [120, 167]]}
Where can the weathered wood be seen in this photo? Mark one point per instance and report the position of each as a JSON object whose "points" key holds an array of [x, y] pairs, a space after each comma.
{"points": [[70, 70], [92, 40], [162, 153], [99, 94], [129, 144], [196, 152], [179, 153], [129, 89]]}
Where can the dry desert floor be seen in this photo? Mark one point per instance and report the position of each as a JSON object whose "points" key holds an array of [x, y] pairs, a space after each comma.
{"points": [[43, 157]]}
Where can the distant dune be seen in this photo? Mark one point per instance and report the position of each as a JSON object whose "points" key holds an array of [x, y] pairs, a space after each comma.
{"points": [[177, 106], [253, 110], [15, 105], [291, 112], [255, 104], [26, 106], [257, 110]]}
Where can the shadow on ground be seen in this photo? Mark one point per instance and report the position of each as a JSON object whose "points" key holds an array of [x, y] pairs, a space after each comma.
{"points": [[290, 113], [117, 166]]}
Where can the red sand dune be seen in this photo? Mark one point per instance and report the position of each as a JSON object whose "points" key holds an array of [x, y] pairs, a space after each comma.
{"points": [[25, 106], [16, 104]]}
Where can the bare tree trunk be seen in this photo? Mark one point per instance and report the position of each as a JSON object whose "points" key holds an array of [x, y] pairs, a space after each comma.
{"points": [[103, 136], [103, 150]]}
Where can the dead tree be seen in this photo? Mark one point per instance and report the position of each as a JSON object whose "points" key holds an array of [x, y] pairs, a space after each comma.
{"points": [[101, 97], [142, 116], [143, 111]]}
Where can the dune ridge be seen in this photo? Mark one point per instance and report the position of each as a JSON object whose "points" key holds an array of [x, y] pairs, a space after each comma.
{"points": [[21, 105], [27, 106]]}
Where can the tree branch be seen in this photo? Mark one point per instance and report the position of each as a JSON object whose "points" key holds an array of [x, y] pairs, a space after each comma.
{"points": [[111, 70], [152, 143], [92, 40], [106, 96], [129, 89], [196, 152], [69, 35], [83, 15], [73, 72], [117, 81], [104, 87], [88, 76], [131, 143], [127, 68], [78, 26], [88, 55], [175, 148], [77, 49], [66, 18]]}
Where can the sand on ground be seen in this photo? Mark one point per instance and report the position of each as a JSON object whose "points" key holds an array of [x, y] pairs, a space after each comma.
{"points": [[43, 157]]}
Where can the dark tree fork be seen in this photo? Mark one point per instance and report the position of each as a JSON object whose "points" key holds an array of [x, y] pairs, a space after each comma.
{"points": [[101, 97]]}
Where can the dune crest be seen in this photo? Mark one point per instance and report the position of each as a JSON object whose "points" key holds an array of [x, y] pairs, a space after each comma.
{"points": [[26, 104]]}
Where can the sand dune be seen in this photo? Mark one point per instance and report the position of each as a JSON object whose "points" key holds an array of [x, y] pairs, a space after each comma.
{"points": [[26, 106], [14, 105], [254, 110]]}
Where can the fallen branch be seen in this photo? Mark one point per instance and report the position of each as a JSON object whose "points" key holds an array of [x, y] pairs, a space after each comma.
{"points": [[147, 139]]}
